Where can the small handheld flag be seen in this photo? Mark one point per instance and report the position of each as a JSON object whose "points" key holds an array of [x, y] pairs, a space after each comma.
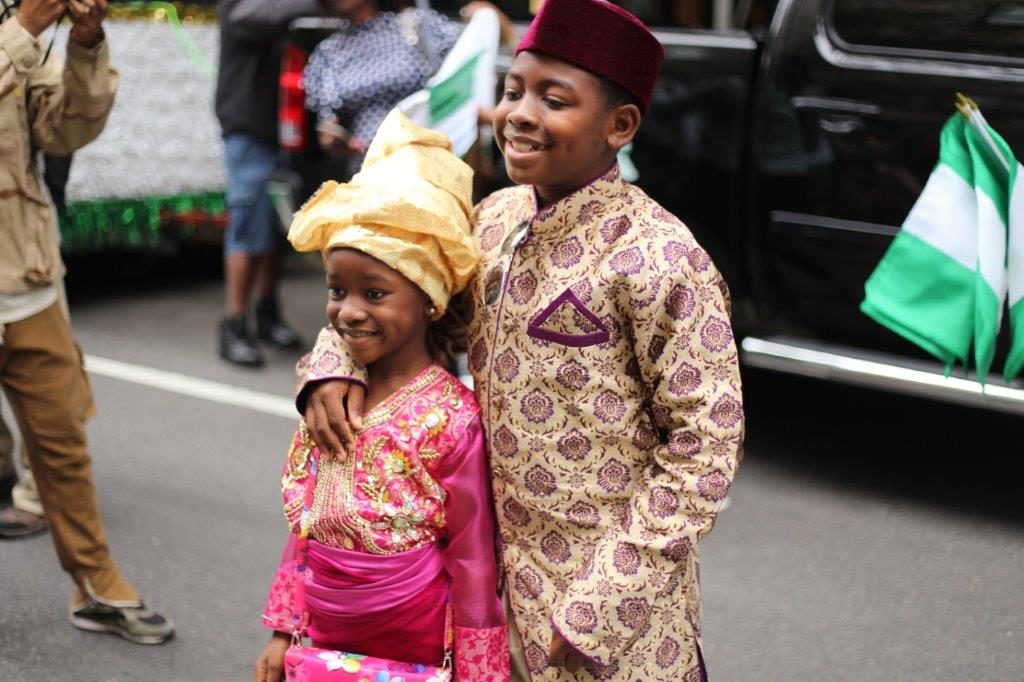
{"points": [[464, 82], [944, 280]]}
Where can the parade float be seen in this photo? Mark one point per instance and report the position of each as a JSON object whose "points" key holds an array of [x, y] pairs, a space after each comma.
{"points": [[155, 176]]}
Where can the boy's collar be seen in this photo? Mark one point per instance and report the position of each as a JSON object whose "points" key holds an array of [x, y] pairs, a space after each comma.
{"points": [[563, 213]]}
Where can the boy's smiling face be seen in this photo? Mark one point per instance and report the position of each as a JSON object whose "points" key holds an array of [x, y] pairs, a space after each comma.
{"points": [[555, 127]]}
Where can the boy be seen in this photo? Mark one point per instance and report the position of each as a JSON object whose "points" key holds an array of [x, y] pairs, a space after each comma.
{"points": [[604, 362]]}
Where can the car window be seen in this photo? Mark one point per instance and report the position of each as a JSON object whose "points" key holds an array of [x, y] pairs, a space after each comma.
{"points": [[993, 28], [655, 13]]}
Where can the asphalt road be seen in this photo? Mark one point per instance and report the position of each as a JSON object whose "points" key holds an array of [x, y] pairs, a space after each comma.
{"points": [[869, 537]]}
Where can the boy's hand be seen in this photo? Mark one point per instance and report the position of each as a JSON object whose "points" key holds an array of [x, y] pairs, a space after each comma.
{"points": [[334, 409], [561, 654], [87, 21], [270, 664], [35, 16]]}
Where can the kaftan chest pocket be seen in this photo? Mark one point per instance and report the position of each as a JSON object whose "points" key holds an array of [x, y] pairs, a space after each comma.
{"points": [[568, 322]]}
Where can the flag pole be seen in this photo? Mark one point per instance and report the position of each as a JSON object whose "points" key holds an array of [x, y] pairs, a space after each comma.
{"points": [[968, 108]]}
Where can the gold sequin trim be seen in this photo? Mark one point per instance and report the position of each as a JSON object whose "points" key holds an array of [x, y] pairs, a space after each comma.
{"points": [[336, 535], [298, 456]]}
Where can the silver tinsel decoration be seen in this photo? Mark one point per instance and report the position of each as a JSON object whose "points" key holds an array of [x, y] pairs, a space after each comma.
{"points": [[162, 138]]}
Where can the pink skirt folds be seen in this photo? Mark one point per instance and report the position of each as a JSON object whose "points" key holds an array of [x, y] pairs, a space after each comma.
{"points": [[388, 606]]}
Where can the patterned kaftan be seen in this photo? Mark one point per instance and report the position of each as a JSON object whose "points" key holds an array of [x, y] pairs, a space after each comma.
{"points": [[418, 477], [609, 384]]}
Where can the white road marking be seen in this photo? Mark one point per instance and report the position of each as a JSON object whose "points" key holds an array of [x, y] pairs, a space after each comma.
{"points": [[192, 386]]}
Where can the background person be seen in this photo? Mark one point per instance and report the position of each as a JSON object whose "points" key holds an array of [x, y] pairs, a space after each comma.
{"points": [[379, 57], [21, 510], [57, 110], [251, 32]]}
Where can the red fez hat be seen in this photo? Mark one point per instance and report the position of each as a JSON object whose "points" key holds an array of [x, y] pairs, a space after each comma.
{"points": [[600, 37]]}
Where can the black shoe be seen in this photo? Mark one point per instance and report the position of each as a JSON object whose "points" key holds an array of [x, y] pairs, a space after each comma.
{"points": [[237, 345], [7, 484], [271, 328]]}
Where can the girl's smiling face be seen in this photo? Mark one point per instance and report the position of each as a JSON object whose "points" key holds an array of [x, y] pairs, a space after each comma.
{"points": [[554, 126], [381, 315]]}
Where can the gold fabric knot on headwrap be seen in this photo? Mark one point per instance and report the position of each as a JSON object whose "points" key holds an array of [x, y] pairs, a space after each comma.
{"points": [[408, 207]]}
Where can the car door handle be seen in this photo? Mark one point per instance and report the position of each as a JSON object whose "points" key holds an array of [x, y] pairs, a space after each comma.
{"points": [[836, 105], [840, 124]]}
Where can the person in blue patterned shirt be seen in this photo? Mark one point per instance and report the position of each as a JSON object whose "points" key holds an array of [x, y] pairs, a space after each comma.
{"points": [[376, 59]]}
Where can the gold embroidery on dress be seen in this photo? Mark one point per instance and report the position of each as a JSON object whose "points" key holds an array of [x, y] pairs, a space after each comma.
{"points": [[434, 420], [389, 407], [334, 516], [328, 472], [397, 464], [298, 455], [347, 501]]}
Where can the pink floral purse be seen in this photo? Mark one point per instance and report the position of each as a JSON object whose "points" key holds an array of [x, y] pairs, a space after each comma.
{"points": [[313, 664]]}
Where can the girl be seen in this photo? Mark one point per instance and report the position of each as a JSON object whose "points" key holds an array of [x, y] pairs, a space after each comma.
{"points": [[403, 524]]}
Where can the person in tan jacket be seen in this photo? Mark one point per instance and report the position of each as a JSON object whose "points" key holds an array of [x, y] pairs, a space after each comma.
{"points": [[58, 109]]}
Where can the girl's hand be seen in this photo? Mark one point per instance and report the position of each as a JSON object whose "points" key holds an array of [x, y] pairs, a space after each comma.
{"points": [[561, 654], [334, 410], [270, 664], [35, 16], [87, 21]]}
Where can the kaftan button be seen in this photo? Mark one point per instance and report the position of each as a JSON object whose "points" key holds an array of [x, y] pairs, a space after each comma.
{"points": [[508, 326], [499, 470], [527, 250]]}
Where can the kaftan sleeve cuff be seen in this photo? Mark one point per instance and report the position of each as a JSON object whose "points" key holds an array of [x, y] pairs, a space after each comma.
{"points": [[482, 655], [328, 360]]}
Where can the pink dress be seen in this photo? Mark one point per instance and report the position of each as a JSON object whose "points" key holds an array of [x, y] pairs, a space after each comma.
{"points": [[396, 531]]}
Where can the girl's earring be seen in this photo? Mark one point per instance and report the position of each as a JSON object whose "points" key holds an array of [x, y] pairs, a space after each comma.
{"points": [[432, 312]]}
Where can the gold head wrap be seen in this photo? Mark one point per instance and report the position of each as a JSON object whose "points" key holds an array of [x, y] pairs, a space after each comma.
{"points": [[408, 207]]}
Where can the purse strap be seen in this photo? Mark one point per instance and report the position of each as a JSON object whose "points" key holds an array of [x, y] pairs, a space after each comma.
{"points": [[300, 615]]}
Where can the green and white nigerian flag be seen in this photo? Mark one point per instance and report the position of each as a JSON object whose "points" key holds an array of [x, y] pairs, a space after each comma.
{"points": [[465, 82], [1015, 258], [944, 279]]}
